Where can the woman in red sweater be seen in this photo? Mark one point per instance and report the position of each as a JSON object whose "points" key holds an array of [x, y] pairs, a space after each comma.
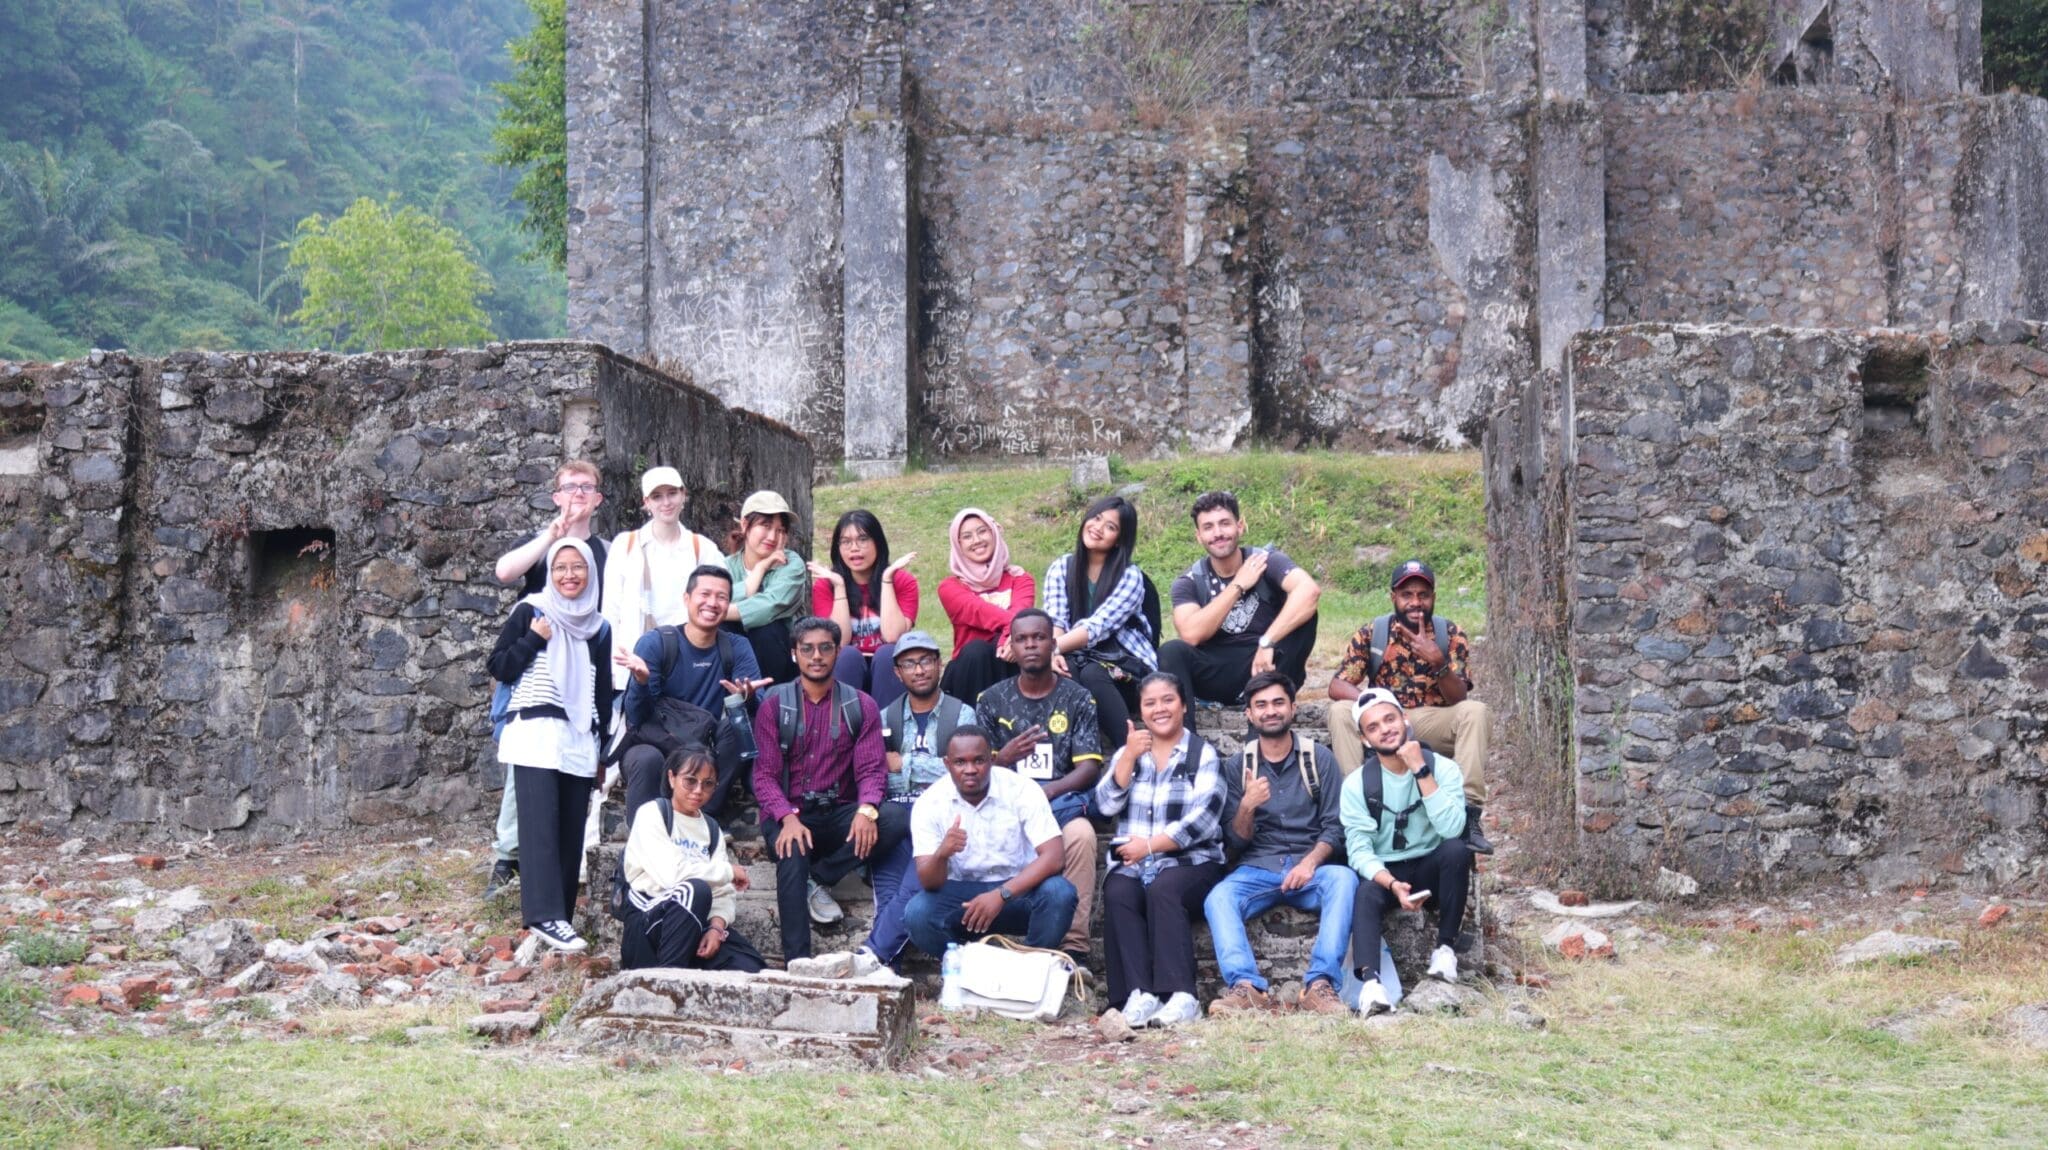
{"points": [[981, 596], [873, 600]]}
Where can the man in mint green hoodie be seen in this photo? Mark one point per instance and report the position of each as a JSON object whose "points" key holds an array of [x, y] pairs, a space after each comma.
{"points": [[1407, 846]]}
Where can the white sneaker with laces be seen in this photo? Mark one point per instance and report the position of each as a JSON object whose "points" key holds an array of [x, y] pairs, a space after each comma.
{"points": [[1180, 1007], [1372, 999], [560, 935], [824, 908], [1139, 1009], [1443, 964]]}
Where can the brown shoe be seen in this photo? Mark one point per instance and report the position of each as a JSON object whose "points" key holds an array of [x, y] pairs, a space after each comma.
{"points": [[1321, 998], [1244, 998]]}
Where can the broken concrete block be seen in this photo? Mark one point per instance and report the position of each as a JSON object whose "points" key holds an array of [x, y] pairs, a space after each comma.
{"points": [[510, 1027], [769, 1015]]}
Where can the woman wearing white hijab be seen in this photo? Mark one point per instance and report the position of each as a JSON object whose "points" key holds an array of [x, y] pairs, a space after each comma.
{"points": [[555, 651]]}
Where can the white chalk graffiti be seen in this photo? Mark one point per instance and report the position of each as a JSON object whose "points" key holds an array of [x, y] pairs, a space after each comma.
{"points": [[764, 350]]}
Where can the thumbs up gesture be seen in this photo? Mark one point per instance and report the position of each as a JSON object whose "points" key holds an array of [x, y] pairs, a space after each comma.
{"points": [[955, 840], [1136, 743], [1257, 790]]}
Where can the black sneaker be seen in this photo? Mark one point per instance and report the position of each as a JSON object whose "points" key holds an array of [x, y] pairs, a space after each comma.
{"points": [[504, 873], [559, 935], [1475, 832]]}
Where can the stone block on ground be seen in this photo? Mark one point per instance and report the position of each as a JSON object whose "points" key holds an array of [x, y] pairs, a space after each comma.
{"points": [[218, 948], [508, 1027], [770, 1015], [1887, 944]]}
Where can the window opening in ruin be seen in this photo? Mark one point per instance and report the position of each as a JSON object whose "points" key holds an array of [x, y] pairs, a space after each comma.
{"points": [[1894, 384], [21, 427], [290, 563], [1811, 60]]}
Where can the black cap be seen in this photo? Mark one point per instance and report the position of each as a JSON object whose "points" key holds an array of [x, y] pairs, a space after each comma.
{"points": [[1413, 569]]}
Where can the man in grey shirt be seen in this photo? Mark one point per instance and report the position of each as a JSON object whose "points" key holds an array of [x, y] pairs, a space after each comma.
{"points": [[1281, 822]]}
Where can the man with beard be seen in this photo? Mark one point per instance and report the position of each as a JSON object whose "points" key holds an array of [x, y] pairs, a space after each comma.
{"points": [[1403, 827], [1046, 730], [1239, 611], [1422, 660], [1281, 820]]}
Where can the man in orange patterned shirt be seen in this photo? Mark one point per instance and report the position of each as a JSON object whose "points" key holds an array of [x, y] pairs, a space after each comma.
{"points": [[1423, 660]]}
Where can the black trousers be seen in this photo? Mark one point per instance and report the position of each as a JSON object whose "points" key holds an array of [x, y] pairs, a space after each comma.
{"points": [[1217, 670], [1114, 702], [1446, 872], [1148, 931], [552, 807], [974, 670], [647, 774], [771, 648], [830, 859], [668, 933]]}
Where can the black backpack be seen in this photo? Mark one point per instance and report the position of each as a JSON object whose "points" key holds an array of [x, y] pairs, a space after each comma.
{"points": [[1375, 792], [896, 722], [789, 716], [1382, 633], [621, 901], [677, 724]]}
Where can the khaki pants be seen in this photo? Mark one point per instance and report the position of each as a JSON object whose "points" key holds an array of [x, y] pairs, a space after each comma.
{"points": [[1079, 838], [1461, 732]]}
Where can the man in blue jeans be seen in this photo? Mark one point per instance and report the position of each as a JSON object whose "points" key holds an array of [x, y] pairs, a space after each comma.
{"points": [[988, 854], [1282, 823]]}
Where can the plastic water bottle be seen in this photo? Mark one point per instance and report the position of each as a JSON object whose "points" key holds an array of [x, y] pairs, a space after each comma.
{"points": [[743, 731], [950, 994]]}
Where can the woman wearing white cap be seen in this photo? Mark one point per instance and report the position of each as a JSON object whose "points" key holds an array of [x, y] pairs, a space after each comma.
{"points": [[770, 584], [648, 566]]}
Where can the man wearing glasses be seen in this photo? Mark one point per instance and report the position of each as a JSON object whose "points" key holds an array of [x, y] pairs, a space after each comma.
{"points": [[914, 732], [820, 777], [1406, 842], [576, 496]]}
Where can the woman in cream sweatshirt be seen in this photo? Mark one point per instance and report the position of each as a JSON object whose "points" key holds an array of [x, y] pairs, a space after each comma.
{"points": [[684, 885]]}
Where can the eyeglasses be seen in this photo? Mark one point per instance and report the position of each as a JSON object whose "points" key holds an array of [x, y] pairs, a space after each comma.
{"points": [[817, 648], [576, 489], [918, 664], [696, 784]]}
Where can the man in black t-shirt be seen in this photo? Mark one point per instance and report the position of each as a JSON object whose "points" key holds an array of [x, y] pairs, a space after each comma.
{"points": [[576, 496], [1239, 611], [1046, 731]]}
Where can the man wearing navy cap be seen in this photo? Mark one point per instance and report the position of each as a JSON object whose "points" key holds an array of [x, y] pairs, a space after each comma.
{"points": [[1424, 661]]}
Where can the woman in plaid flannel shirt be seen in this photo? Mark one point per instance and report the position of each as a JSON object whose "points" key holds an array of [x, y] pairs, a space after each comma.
{"points": [[1165, 791]]}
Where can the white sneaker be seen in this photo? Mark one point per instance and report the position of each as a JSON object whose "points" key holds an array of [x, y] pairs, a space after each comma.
{"points": [[1372, 999], [1180, 1007], [865, 962], [824, 908], [560, 935], [1139, 1009], [1443, 964]]}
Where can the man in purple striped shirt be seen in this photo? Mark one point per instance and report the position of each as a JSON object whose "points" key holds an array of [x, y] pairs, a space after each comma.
{"points": [[820, 779]]}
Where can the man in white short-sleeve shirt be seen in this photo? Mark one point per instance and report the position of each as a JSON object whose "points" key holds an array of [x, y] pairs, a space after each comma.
{"points": [[988, 854]]}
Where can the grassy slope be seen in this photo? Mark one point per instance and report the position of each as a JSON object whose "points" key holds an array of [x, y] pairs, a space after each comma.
{"points": [[1318, 507], [1754, 1041]]}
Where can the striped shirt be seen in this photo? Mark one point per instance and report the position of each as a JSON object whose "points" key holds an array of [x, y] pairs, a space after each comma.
{"points": [[1117, 621], [1185, 803]]}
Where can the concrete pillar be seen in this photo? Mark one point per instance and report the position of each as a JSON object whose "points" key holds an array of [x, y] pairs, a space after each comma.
{"points": [[1216, 231], [1561, 49], [606, 104], [875, 237], [1571, 225]]}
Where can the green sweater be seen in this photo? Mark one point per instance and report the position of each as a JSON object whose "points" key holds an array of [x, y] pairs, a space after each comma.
{"points": [[1441, 816], [784, 593]]}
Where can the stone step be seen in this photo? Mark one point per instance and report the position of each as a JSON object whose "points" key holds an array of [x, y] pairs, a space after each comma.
{"points": [[770, 1015]]}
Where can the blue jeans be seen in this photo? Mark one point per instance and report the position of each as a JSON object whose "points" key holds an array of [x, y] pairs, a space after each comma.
{"points": [[895, 884], [1043, 914], [1250, 891]]}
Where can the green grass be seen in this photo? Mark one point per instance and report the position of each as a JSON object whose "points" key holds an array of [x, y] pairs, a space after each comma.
{"points": [[1757, 1043], [1319, 507], [43, 949]]}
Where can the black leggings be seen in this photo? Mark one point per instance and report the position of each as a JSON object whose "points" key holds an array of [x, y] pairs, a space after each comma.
{"points": [[1114, 702], [552, 809], [973, 670], [1446, 872], [1149, 934]]}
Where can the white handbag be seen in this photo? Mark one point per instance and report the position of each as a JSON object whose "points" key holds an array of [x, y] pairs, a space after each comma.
{"points": [[1015, 981]]}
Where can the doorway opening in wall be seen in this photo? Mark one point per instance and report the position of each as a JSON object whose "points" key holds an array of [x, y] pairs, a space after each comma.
{"points": [[291, 572], [21, 426], [1895, 381]]}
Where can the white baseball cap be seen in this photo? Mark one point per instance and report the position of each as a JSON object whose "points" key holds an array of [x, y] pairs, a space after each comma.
{"points": [[658, 477], [1373, 697]]}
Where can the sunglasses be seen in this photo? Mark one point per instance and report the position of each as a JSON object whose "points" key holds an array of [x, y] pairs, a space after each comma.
{"points": [[696, 783]]}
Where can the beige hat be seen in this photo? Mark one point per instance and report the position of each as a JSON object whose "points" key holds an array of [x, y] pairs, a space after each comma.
{"points": [[765, 503], [658, 477]]}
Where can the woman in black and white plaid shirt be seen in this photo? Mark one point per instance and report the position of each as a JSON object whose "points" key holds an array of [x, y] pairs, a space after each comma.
{"points": [[1168, 852]]}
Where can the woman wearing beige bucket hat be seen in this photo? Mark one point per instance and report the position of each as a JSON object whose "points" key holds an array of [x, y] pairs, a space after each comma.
{"points": [[770, 585]]}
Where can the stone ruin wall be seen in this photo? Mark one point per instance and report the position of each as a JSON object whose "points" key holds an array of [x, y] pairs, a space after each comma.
{"points": [[253, 593], [1799, 582], [967, 230]]}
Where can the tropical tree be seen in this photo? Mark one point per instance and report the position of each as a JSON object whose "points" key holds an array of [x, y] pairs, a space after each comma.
{"points": [[384, 276], [533, 134]]}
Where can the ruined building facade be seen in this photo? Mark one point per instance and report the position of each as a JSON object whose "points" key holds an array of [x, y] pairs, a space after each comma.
{"points": [[983, 228]]}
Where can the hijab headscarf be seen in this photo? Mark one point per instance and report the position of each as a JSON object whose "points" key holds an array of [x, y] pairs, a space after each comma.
{"points": [[984, 576], [575, 621]]}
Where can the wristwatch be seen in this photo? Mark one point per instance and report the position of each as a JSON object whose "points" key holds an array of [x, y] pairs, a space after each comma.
{"points": [[1005, 892], [1265, 643], [1425, 771], [869, 810]]}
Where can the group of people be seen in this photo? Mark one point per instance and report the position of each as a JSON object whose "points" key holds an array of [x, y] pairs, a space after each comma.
{"points": [[975, 789]]}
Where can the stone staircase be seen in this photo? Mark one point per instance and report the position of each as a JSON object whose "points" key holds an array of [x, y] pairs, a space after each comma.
{"points": [[1282, 938]]}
